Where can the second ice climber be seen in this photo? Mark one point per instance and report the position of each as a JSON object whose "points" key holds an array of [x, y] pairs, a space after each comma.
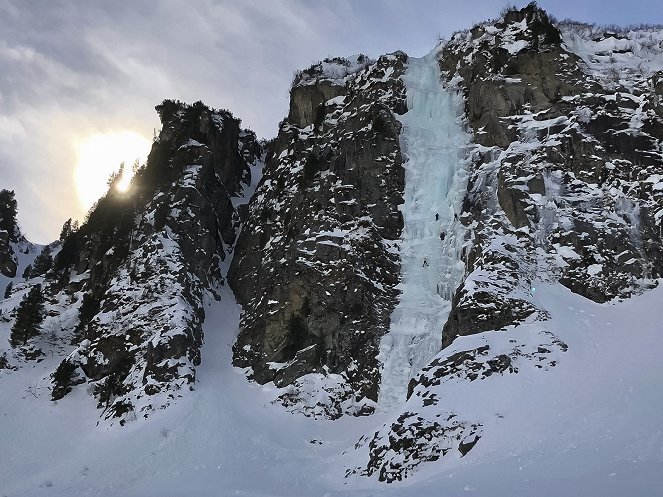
{"points": [[425, 264]]}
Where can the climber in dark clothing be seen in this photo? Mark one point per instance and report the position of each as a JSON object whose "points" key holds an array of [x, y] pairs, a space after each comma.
{"points": [[425, 264], [437, 216], [442, 235]]}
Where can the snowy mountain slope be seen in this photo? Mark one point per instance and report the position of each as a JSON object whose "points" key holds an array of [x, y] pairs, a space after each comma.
{"points": [[579, 415], [590, 424], [548, 380]]}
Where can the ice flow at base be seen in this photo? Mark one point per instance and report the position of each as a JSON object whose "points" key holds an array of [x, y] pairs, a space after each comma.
{"points": [[433, 144]]}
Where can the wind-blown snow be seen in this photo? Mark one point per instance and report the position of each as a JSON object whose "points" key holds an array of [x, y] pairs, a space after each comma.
{"points": [[433, 142]]}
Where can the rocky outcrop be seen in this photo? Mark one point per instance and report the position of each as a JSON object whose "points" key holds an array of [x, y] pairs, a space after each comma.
{"points": [[143, 345], [130, 283], [7, 256], [316, 267], [564, 165], [480, 363], [397, 451]]}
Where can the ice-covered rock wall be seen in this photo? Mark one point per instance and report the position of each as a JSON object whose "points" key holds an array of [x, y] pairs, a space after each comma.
{"points": [[433, 143]]}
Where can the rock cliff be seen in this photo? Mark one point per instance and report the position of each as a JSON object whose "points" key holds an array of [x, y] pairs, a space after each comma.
{"points": [[316, 265], [565, 186]]}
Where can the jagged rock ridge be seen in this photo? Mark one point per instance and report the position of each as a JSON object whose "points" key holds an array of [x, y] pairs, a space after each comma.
{"points": [[128, 286]]}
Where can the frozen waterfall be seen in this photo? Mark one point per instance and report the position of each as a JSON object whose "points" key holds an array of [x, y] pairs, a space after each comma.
{"points": [[433, 144]]}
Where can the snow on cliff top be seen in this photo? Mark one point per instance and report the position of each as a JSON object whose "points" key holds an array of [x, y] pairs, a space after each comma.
{"points": [[613, 54], [336, 68]]}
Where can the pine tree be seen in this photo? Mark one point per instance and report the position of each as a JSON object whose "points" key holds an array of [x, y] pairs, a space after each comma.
{"points": [[64, 378], [42, 263], [69, 251], [88, 309], [27, 272], [8, 290], [66, 230], [29, 316], [8, 208]]}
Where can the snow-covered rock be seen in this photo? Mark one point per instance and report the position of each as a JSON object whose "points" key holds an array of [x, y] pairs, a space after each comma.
{"points": [[316, 265], [127, 288]]}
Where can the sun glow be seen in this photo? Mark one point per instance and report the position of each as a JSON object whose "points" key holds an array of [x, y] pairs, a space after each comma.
{"points": [[100, 155]]}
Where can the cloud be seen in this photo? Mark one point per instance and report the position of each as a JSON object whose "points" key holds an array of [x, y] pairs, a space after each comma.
{"points": [[72, 68]]}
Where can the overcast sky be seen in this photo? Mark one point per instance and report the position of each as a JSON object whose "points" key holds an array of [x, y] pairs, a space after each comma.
{"points": [[69, 69]]}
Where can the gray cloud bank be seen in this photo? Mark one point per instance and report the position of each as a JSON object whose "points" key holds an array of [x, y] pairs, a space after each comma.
{"points": [[72, 68]]}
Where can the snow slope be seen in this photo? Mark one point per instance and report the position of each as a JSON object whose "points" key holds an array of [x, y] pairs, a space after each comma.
{"points": [[433, 142], [589, 426]]}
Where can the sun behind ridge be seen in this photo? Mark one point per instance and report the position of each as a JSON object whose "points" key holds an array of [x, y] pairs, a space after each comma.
{"points": [[100, 155]]}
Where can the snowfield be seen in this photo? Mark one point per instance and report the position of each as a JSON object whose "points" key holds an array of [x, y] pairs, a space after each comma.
{"points": [[589, 426]]}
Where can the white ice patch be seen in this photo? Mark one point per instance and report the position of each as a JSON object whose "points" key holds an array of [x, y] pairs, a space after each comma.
{"points": [[594, 269], [435, 179], [515, 46]]}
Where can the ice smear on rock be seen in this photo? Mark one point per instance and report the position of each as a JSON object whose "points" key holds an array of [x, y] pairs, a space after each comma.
{"points": [[432, 141]]}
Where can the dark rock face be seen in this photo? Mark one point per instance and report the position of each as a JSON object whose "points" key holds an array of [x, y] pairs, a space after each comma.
{"points": [[7, 256], [315, 267]]}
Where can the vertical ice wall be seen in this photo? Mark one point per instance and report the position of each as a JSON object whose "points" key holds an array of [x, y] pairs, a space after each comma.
{"points": [[433, 144]]}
